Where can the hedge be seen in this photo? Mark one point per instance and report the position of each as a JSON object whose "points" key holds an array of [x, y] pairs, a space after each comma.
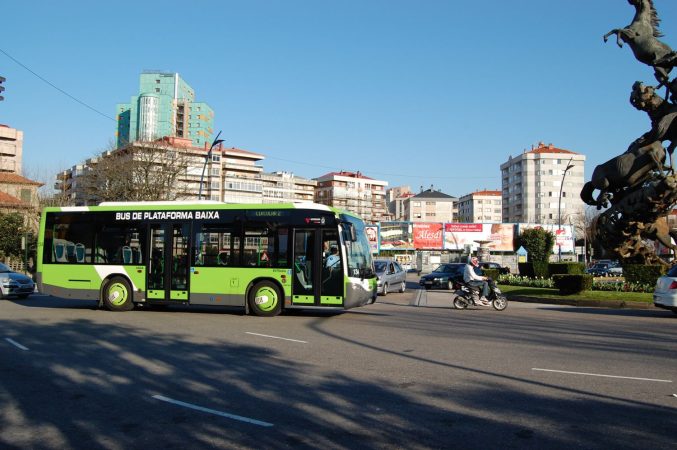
{"points": [[570, 268], [641, 274], [491, 273], [534, 269], [572, 284]]}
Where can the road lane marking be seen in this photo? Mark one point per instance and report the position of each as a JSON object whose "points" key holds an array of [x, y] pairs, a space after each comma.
{"points": [[602, 375], [16, 344], [213, 411], [276, 337]]}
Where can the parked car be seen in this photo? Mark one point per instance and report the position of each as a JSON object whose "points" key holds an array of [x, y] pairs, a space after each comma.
{"points": [[390, 275], [665, 293], [443, 276], [605, 270], [496, 266], [13, 283], [615, 270]]}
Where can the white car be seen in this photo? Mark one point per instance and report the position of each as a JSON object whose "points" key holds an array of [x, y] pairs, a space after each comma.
{"points": [[13, 283], [390, 276], [665, 294]]}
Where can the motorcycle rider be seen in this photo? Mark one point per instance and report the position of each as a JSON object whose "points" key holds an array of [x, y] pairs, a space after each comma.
{"points": [[472, 279]]}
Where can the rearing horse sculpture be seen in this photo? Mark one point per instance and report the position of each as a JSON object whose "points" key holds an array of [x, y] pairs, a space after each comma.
{"points": [[642, 37]]}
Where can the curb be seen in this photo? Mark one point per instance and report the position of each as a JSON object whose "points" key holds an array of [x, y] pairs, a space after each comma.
{"points": [[620, 304]]}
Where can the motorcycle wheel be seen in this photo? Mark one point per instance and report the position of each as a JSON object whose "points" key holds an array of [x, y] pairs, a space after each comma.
{"points": [[500, 303], [460, 302]]}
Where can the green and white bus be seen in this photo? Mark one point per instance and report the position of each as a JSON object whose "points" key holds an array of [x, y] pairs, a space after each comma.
{"points": [[263, 257]]}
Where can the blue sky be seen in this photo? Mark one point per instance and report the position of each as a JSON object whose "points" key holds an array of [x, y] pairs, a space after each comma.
{"points": [[412, 92]]}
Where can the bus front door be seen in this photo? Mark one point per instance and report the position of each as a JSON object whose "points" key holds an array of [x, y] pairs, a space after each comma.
{"points": [[314, 282], [168, 264]]}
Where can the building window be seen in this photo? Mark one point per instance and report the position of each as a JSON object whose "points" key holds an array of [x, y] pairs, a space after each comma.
{"points": [[26, 195]]}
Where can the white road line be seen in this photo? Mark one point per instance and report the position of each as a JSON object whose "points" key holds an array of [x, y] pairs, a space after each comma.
{"points": [[276, 337], [601, 375], [213, 411], [16, 344]]}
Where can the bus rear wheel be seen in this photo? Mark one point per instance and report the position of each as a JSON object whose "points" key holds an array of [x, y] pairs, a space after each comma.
{"points": [[265, 299], [117, 295]]}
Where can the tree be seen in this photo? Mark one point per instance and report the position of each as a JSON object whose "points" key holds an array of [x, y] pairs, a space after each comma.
{"points": [[12, 229], [142, 171], [538, 243]]}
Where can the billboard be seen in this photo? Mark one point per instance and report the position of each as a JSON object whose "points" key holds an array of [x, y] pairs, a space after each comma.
{"points": [[461, 236], [428, 235], [564, 235], [397, 236], [372, 237]]}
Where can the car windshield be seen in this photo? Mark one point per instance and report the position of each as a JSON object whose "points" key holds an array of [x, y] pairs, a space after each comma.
{"points": [[380, 266], [442, 268], [4, 268]]}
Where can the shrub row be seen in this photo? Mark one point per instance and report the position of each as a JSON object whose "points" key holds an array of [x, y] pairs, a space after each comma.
{"points": [[491, 273], [641, 274], [572, 284], [547, 270]]}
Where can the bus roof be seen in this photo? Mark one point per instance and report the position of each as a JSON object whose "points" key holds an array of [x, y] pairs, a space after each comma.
{"points": [[191, 205]]}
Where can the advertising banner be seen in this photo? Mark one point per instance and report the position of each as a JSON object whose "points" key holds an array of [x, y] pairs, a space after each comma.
{"points": [[457, 236], [396, 236], [428, 235], [564, 236], [372, 237]]}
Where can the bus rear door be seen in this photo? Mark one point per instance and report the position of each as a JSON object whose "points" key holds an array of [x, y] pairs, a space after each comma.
{"points": [[168, 264]]}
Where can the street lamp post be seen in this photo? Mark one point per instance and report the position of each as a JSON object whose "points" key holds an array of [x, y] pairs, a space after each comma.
{"points": [[216, 142], [559, 207]]}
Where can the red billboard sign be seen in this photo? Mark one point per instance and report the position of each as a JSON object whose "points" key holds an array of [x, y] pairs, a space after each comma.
{"points": [[428, 235]]}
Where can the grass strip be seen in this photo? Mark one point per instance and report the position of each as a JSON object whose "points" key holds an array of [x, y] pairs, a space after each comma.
{"points": [[523, 291]]}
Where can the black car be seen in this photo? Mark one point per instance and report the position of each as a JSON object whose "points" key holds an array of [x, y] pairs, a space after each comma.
{"points": [[496, 266], [443, 276]]}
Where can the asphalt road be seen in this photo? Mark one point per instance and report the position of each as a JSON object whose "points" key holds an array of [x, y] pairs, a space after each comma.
{"points": [[407, 372]]}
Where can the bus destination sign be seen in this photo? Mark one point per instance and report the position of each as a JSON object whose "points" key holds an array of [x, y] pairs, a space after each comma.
{"points": [[167, 215]]}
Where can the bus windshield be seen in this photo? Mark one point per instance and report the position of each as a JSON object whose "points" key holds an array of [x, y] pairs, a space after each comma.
{"points": [[360, 263]]}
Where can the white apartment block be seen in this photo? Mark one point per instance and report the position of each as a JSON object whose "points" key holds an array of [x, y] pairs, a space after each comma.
{"points": [[480, 207], [11, 149], [430, 206], [531, 184], [230, 175], [283, 187], [353, 192]]}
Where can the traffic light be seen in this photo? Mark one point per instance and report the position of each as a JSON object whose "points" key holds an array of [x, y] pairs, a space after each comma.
{"points": [[2, 88]]}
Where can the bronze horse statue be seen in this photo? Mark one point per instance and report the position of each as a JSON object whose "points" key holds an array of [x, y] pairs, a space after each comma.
{"points": [[642, 37], [624, 171]]}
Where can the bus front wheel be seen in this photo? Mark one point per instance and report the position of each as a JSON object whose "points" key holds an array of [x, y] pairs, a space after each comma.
{"points": [[117, 295], [265, 299]]}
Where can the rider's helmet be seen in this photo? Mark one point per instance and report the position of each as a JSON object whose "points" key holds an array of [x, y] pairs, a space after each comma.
{"points": [[474, 261]]}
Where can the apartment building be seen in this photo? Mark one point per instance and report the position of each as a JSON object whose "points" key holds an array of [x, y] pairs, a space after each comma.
{"points": [[164, 107], [229, 175], [482, 206], [430, 205], [531, 185], [283, 187], [11, 149], [353, 192]]}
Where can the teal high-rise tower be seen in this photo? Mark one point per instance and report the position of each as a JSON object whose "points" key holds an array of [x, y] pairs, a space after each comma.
{"points": [[165, 106]]}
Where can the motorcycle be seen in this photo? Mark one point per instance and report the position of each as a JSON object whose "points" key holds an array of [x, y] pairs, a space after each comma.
{"points": [[467, 296]]}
